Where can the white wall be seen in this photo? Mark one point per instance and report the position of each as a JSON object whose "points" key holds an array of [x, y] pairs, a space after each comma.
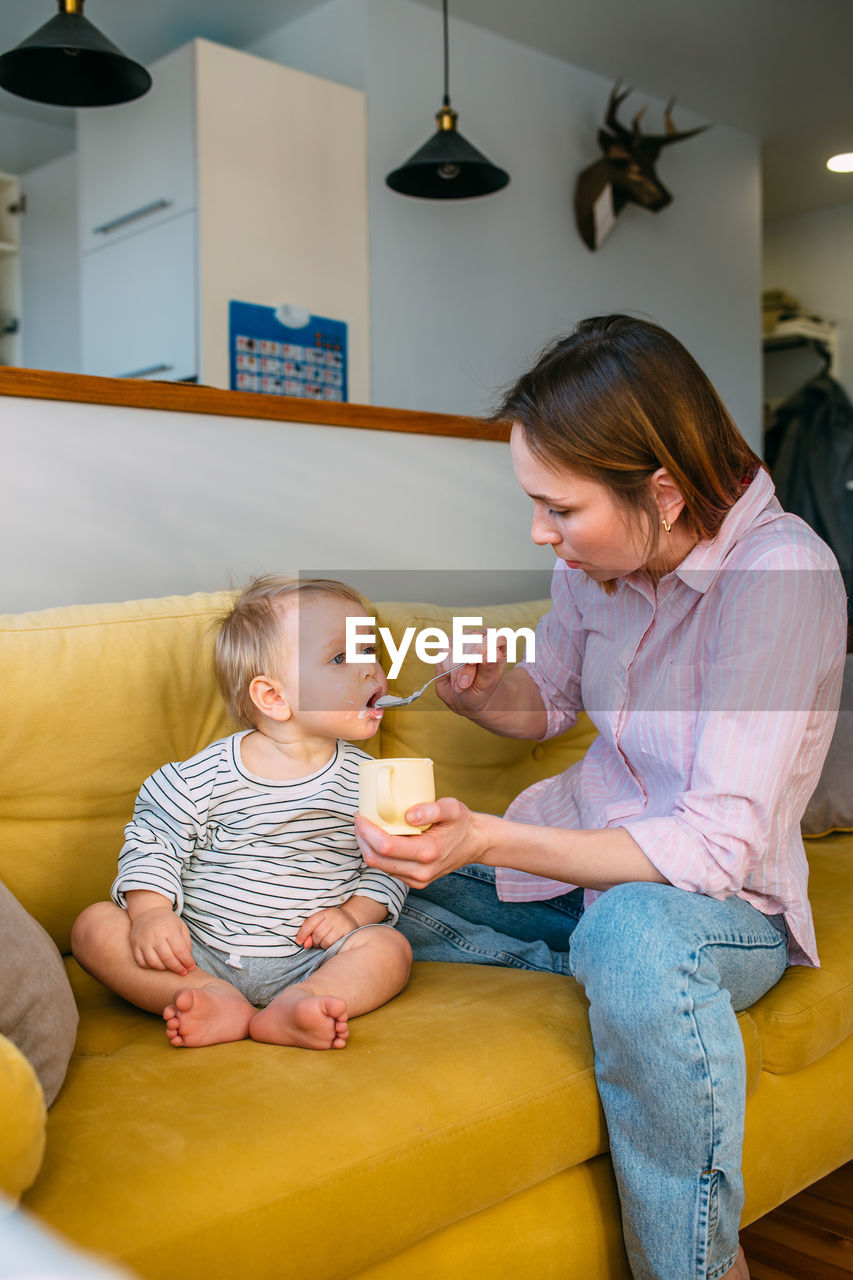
{"points": [[104, 503], [464, 294], [26, 144], [811, 256], [329, 41]]}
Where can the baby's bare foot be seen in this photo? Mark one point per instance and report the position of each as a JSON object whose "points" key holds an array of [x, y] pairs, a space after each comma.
{"points": [[307, 1021], [207, 1015]]}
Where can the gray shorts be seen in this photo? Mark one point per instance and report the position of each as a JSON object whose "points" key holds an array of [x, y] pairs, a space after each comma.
{"points": [[261, 978]]}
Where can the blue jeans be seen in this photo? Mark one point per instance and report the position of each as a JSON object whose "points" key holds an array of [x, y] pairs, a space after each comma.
{"points": [[664, 971]]}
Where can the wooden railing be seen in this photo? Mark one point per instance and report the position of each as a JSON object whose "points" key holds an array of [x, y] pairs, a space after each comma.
{"points": [[182, 397]]}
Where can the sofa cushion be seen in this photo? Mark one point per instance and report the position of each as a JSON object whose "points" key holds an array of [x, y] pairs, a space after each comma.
{"points": [[482, 769], [810, 1011], [367, 1149], [37, 1009], [472, 1085], [24, 1117], [95, 698]]}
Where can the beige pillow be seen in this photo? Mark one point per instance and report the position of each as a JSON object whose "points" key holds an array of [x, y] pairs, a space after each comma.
{"points": [[37, 1009], [831, 806]]}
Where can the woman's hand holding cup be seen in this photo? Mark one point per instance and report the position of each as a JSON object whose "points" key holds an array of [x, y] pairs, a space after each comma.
{"points": [[452, 839]]}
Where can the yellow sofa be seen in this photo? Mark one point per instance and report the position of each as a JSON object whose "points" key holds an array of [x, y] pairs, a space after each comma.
{"points": [[458, 1135]]}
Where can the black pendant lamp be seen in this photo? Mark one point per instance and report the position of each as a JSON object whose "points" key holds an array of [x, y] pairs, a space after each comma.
{"points": [[69, 63], [447, 167]]}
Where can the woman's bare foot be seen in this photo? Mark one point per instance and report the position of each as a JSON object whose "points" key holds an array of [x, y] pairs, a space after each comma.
{"points": [[740, 1271], [297, 1017], [207, 1015]]}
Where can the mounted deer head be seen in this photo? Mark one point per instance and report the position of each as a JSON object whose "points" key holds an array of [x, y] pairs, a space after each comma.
{"points": [[627, 172]]}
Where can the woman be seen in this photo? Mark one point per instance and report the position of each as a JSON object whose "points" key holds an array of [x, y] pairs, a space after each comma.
{"points": [[703, 630]]}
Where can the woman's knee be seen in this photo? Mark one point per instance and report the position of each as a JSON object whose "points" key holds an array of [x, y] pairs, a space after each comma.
{"points": [[625, 943], [619, 923]]}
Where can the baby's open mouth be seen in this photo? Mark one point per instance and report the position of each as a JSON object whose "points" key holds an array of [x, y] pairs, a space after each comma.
{"points": [[370, 706]]}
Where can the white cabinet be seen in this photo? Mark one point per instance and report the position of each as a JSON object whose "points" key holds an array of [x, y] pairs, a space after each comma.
{"points": [[144, 324], [136, 161], [242, 180], [10, 269]]}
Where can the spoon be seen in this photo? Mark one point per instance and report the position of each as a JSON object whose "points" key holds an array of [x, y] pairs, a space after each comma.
{"points": [[390, 700]]}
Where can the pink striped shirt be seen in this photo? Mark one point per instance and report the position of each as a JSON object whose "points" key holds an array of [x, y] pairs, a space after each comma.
{"points": [[715, 697]]}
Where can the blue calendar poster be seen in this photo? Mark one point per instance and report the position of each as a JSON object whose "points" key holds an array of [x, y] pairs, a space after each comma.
{"points": [[286, 351]]}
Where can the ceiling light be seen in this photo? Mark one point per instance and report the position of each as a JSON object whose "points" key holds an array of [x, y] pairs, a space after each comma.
{"points": [[841, 163], [447, 167], [69, 63]]}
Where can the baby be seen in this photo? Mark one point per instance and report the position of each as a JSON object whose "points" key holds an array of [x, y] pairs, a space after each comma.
{"points": [[242, 907]]}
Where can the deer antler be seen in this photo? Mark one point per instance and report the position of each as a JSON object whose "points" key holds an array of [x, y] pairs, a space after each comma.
{"points": [[618, 96], [614, 102], [626, 173], [672, 134]]}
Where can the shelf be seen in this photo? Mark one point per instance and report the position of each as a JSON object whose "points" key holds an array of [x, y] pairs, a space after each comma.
{"points": [[801, 329]]}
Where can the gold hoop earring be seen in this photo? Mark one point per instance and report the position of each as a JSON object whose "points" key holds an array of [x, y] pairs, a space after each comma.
{"points": [[667, 526]]}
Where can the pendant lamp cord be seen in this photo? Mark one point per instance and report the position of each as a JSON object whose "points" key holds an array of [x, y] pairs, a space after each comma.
{"points": [[446, 58]]}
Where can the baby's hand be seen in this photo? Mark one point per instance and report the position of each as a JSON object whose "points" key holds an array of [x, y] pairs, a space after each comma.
{"points": [[159, 939], [325, 927]]}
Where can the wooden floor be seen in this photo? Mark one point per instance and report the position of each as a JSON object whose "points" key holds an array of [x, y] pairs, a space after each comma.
{"points": [[808, 1238]]}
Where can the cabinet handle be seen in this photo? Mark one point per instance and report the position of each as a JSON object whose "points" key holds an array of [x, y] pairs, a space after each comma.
{"points": [[146, 373], [142, 212]]}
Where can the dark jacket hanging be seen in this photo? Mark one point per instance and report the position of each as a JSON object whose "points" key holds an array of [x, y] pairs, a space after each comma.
{"points": [[809, 450]]}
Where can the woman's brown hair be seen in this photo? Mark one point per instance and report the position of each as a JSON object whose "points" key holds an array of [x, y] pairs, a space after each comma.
{"points": [[620, 397]]}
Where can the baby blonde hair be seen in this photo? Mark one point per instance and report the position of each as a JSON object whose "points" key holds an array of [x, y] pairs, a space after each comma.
{"points": [[248, 637]]}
